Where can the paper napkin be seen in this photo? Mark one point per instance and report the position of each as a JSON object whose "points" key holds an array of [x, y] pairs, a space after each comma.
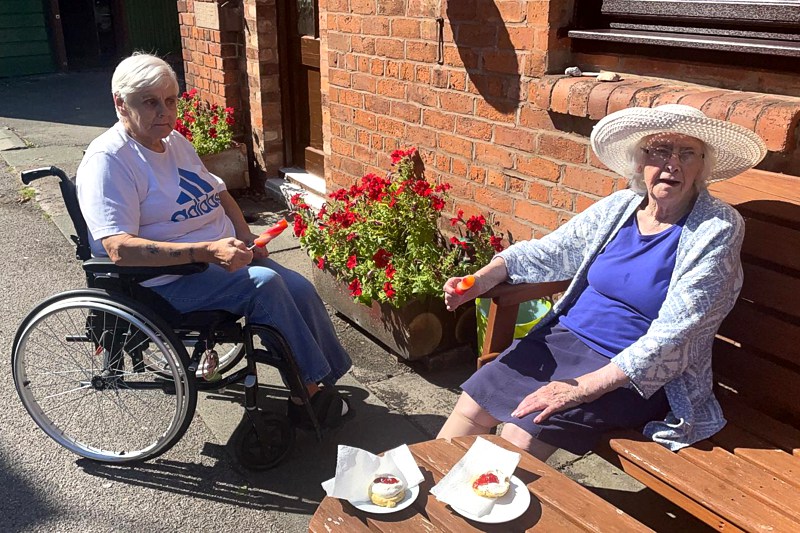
{"points": [[455, 489], [356, 468]]}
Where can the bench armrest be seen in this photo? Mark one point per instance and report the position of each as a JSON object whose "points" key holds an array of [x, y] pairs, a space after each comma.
{"points": [[503, 309], [104, 265]]}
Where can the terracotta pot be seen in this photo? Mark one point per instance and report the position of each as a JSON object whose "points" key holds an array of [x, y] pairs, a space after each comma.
{"points": [[230, 165], [420, 328]]}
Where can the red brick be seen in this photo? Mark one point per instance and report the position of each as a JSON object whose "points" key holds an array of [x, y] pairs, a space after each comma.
{"points": [[474, 129], [390, 48], [488, 154], [673, 96], [376, 104], [501, 61], [559, 98], [538, 167], [442, 162], [579, 98], [777, 126], [391, 88], [582, 203], [595, 162], [457, 81], [422, 95], [561, 199], [516, 185], [515, 138], [364, 119], [455, 145], [421, 51], [363, 153], [746, 112], [538, 192], [720, 107], [478, 35], [408, 112], [536, 214], [650, 96], [543, 91], [391, 127], [363, 7], [456, 102], [586, 180], [494, 199], [698, 98], [363, 45], [486, 110], [496, 179], [339, 146], [364, 82], [438, 120], [422, 75], [477, 174], [562, 148], [535, 118], [513, 228], [347, 24], [598, 99], [422, 8], [459, 167], [521, 38], [624, 95], [391, 7]]}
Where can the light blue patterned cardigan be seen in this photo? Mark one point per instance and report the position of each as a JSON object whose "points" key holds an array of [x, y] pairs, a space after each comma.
{"points": [[675, 353]]}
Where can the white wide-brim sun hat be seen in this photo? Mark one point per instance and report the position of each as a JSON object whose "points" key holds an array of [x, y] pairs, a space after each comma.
{"points": [[736, 147]]}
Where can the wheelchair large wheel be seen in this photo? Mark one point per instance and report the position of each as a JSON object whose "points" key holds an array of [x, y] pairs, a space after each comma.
{"points": [[83, 367]]}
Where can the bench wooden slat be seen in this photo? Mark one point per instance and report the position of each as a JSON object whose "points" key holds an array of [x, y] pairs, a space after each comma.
{"points": [[725, 503], [771, 289], [759, 188], [763, 454], [341, 517], [764, 385], [762, 484], [589, 511], [750, 326], [771, 242], [737, 412]]}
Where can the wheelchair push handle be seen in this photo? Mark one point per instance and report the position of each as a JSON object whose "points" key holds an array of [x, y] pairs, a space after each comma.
{"points": [[29, 176]]}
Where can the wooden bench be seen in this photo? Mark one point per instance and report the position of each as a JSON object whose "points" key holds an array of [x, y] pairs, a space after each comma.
{"points": [[747, 477]]}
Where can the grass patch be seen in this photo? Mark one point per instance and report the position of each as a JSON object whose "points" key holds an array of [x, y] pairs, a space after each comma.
{"points": [[26, 194]]}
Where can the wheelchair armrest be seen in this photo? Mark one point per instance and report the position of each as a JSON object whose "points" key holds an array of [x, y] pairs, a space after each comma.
{"points": [[104, 265]]}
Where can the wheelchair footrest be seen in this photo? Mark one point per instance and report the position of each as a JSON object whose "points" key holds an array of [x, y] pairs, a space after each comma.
{"points": [[268, 358]]}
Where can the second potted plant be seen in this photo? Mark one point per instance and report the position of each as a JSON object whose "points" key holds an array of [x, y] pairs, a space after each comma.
{"points": [[210, 130]]}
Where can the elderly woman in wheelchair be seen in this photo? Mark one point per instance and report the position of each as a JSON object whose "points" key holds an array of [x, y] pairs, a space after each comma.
{"points": [[180, 274]]}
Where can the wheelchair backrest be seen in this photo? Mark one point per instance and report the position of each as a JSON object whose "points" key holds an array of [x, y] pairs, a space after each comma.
{"points": [[69, 194]]}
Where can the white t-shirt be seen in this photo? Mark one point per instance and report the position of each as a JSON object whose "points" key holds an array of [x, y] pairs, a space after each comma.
{"points": [[124, 187]]}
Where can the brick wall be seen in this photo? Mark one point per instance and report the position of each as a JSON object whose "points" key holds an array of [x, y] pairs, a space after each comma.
{"points": [[512, 140]]}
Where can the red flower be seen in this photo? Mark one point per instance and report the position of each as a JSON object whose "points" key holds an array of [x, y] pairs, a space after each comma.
{"points": [[352, 261], [381, 258], [398, 155], [496, 242], [321, 263], [437, 203], [390, 271], [350, 236], [388, 290], [422, 187], [355, 288], [212, 132], [299, 227], [229, 120], [459, 242], [214, 119], [475, 223], [295, 199], [341, 194], [229, 110]]}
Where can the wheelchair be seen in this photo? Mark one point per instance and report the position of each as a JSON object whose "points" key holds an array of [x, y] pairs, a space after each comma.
{"points": [[107, 373]]}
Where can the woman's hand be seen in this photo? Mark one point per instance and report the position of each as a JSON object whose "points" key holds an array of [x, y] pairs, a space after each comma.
{"points": [[258, 252], [454, 297], [553, 398], [559, 396], [230, 253]]}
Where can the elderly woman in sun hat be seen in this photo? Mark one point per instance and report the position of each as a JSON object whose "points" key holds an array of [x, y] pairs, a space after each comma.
{"points": [[148, 200], [654, 268]]}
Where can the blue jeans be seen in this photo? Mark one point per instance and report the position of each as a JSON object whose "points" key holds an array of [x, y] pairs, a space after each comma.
{"points": [[269, 294]]}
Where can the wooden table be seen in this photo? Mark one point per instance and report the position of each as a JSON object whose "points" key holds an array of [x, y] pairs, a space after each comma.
{"points": [[557, 502]]}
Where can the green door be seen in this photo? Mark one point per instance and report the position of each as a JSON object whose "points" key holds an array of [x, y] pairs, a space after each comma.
{"points": [[24, 44], [153, 26]]}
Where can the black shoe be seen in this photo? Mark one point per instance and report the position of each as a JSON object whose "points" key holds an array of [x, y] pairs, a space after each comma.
{"points": [[327, 405]]}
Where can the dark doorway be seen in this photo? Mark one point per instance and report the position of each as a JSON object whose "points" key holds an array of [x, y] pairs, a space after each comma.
{"points": [[300, 88], [89, 37]]}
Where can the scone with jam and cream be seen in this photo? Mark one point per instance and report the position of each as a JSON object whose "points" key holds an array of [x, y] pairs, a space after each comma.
{"points": [[386, 490], [491, 484]]}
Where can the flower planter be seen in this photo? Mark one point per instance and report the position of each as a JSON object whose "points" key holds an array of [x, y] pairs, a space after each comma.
{"points": [[421, 328], [230, 165]]}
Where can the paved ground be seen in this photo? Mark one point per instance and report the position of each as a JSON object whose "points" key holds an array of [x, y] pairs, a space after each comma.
{"points": [[48, 120]]}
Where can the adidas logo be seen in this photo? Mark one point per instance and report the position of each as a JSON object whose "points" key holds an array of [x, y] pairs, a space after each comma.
{"points": [[197, 192]]}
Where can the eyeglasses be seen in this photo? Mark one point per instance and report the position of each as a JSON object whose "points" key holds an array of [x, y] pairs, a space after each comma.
{"points": [[662, 154]]}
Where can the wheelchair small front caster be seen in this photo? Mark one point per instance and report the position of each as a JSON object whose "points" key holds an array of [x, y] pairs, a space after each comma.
{"points": [[263, 440]]}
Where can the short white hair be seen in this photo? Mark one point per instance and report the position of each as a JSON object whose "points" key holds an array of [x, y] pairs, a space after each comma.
{"points": [[140, 72], [635, 172]]}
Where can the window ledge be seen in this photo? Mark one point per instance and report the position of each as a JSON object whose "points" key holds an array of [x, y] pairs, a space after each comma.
{"points": [[775, 118]]}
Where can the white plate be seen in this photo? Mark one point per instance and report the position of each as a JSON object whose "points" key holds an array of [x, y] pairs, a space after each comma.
{"points": [[508, 507], [369, 507]]}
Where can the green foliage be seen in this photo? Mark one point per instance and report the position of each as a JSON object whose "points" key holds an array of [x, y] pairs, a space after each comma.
{"points": [[208, 127], [382, 236]]}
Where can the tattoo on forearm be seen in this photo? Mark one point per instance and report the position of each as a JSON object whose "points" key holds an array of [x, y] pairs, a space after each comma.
{"points": [[191, 255], [175, 253], [153, 249]]}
